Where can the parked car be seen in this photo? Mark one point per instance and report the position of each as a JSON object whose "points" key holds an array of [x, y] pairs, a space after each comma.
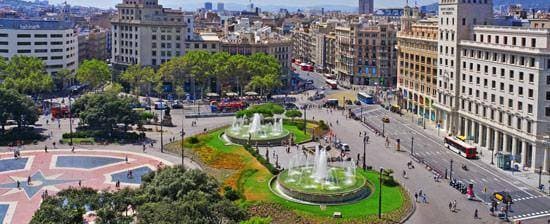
{"points": [[177, 105], [386, 119]]}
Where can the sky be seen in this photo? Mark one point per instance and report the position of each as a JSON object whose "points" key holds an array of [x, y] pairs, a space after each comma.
{"points": [[191, 5]]}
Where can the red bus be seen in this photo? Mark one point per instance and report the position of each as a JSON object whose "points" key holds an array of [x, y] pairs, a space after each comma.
{"points": [[460, 147], [332, 83]]}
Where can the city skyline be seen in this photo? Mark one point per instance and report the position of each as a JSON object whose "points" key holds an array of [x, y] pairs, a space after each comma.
{"points": [[192, 5]]}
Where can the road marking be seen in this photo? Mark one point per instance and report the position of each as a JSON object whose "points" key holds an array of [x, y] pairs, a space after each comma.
{"points": [[520, 218], [483, 179], [490, 172]]}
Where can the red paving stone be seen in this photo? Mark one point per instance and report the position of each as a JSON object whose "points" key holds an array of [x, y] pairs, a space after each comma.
{"points": [[95, 178]]}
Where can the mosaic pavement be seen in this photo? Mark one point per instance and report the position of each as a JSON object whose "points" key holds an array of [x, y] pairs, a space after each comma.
{"points": [[60, 169]]}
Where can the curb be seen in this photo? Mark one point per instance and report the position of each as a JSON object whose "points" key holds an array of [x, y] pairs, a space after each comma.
{"points": [[411, 210]]}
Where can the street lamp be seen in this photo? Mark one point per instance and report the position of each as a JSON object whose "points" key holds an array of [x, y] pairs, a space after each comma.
{"points": [[451, 172], [383, 128], [364, 152], [412, 145], [70, 120], [182, 137], [305, 123], [380, 195], [540, 176]]}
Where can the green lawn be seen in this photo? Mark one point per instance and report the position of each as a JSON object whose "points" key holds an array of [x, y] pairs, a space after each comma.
{"points": [[299, 135], [251, 179]]}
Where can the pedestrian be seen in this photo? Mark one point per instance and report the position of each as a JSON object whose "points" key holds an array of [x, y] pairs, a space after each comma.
{"points": [[415, 197], [143, 147], [72, 149], [404, 174], [79, 183], [117, 185], [360, 133], [475, 214], [54, 145], [424, 198], [450, 205], [18, 184], [454, 205], [28, 180], [46, 149], [367, 137], [126, 158]]}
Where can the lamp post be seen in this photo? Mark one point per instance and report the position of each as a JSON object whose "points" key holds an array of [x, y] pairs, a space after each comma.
{"points": [[305, 122], [412, 145], [380, 195], [383, 124], [364, 152], [451, 171], [161, 129], [540, 176], [70, 120], [182, 138]]}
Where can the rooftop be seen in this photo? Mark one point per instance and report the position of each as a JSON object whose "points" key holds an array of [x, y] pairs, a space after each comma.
{"points": [[25, 24]]}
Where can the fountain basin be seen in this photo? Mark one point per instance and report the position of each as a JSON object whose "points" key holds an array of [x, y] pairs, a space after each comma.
{"points": [[303, 188], [268, 140]]}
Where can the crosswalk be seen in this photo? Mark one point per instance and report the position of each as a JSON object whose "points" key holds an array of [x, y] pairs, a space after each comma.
{"points": [[526, 198], [532, 215]]}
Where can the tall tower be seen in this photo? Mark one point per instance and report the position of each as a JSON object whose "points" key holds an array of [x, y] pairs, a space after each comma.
{"points": [[456, 20], [366, 6]]}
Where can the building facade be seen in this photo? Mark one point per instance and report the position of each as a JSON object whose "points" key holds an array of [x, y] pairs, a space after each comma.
{"points": [[456, 19], [504, 101], [417, 65], [145, 33], [493, 83], [366, 6], [92, 44], [54, 42], [366, 55]]}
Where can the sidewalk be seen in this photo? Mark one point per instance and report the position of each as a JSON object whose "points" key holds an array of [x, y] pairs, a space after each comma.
{"points": [[528, 177]]}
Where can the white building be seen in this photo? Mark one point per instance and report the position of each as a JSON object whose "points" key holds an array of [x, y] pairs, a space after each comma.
{"points": [[145, 33], [494, 82], [55, 42], [505, 91]]}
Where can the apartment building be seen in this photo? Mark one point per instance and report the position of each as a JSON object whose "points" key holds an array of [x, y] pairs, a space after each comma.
{"points": [[303, 44], [145, 33], [504, 101], [54, 42], [365, 54], [494, 83], [204, 42], [92, 44], [417, 64]]}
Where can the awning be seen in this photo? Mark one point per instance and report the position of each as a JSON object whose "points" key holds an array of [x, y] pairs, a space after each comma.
{"points": [[212, 94], [251, 93], [231, 94]]}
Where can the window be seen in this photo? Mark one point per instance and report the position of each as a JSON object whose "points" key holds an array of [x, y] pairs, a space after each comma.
{"points": [[547, 111], [531, 78], [520, 91], [529, 108], [23, 43], [40, 43], [23, 36], [40, 36], [520, 105], [3, 35], [23, 51], [528, 126], [533, 42], [530, 93]]}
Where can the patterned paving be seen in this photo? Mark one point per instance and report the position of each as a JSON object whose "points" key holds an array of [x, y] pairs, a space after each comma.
{"points": [[60, 169]]}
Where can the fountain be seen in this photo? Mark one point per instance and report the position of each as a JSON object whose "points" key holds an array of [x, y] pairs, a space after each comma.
{"points": [[318, 182], [253, 131]]}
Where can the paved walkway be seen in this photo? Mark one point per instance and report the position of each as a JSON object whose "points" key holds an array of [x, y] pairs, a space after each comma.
{"points": [[26, 180]]}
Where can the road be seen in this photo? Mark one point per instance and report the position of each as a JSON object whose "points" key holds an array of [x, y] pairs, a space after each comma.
{"points": [[529, 203]]}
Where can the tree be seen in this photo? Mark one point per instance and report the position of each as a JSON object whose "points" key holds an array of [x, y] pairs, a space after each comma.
{"points": [[141, 79], [94, 73], [62, 78], [18, 107], [26, 75], [293, 114], [103, 111], [169, 195]]}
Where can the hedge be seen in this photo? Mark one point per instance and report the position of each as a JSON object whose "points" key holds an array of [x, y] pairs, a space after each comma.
{"points": [[262, 160]]}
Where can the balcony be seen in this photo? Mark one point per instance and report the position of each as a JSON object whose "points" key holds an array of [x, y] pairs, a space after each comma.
{"points": [[501, 47]]}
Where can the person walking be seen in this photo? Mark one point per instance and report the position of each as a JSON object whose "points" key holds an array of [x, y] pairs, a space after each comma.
{"points": [[415, 197], [450, 206], [454, 205], [143, 149], [29, 180], [475, 214], [72, 149], [46, 149]]}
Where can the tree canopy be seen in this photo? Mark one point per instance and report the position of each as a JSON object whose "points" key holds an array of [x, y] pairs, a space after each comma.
{"points": [[93, 72], [103, 111], [25, 74], [231, 71], [170, 195], [18, 107], [141, 79]]}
